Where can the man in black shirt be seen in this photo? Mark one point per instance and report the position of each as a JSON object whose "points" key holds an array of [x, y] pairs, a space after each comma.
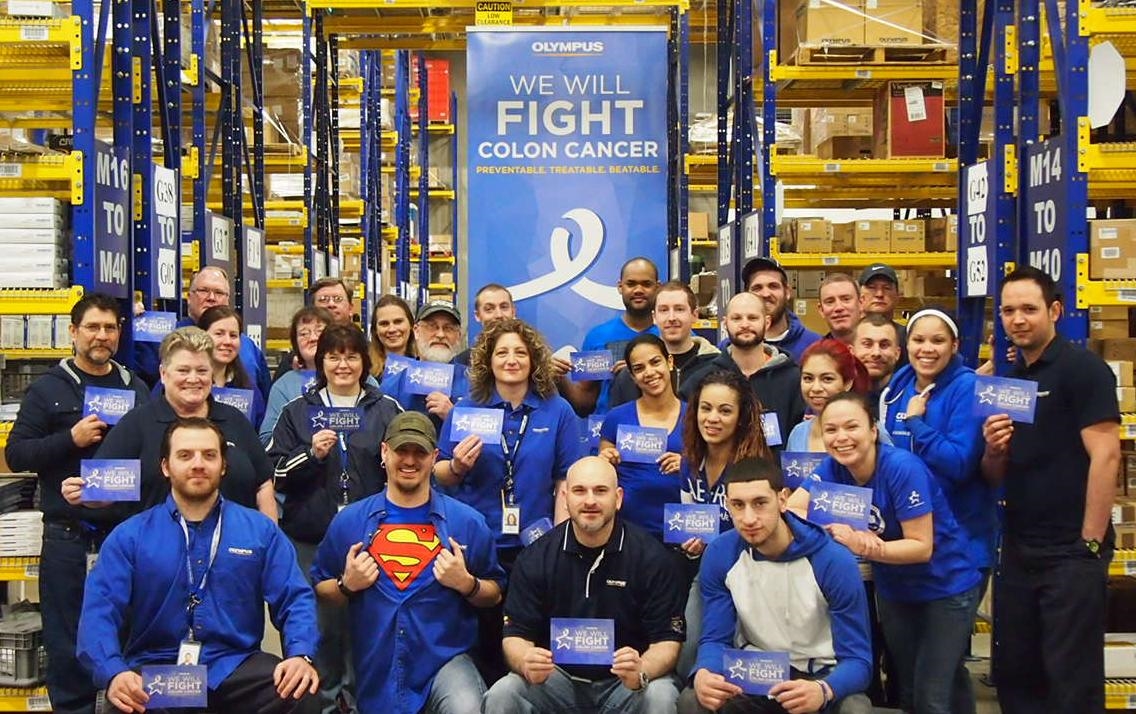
{"points": [[1058, 474], [675, 307], [492, 302], [593, 566], [50, 437]]}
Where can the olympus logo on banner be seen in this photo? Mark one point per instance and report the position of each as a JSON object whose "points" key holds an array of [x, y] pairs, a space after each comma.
{"points": [[568, 144]]}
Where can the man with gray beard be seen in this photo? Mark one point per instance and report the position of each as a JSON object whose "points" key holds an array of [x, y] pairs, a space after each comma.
{"points": [[437, 332]]}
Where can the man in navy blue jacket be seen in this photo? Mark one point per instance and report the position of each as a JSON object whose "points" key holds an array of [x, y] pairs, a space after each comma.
{"points": [[191, 577], [777, 583]]}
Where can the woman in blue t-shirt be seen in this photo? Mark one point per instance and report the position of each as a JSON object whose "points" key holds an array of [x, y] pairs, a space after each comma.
{"points": [[647, 487], [926, 585]]}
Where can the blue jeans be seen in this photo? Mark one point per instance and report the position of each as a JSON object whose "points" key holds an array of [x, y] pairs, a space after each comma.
{"points": [[929, 641], [62, 575], [457, 688], [688, 655], [560, 693]]}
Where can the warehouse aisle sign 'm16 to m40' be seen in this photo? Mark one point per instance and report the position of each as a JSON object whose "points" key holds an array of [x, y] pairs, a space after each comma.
{"points": [[114, 219], [567, 167]]}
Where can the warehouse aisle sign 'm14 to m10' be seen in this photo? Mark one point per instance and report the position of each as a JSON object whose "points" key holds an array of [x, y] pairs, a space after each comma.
{"points": [[114, 219], [1045, 228], [567, 167]]}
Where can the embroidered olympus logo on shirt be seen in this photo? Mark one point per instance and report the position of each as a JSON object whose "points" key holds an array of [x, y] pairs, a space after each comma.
{"points": [[241, 552], [617, 583]]}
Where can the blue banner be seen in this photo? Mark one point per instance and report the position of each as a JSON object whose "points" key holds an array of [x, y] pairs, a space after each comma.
{"points": [[568, 143], [114, 219]]}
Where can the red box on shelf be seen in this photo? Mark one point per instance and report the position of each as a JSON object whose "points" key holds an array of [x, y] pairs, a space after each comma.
{"points": [[910, 121], [437, 91]]}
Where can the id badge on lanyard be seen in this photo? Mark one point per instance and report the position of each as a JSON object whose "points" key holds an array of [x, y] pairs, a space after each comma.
{"points": [[510, 511], [197, 593]]}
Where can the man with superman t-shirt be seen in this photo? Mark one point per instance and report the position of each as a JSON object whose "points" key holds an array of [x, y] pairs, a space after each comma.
{"points": [[411, 564]]}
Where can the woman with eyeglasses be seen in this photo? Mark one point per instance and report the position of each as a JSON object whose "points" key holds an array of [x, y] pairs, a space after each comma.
{"points": [[392, 332], [326, 447], [308, 323]]}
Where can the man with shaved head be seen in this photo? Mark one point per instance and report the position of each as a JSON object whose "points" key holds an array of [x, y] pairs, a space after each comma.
{"points": [[594, 565], [774, 377]]}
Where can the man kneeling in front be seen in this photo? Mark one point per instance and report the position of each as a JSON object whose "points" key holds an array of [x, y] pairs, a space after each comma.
{"points": [[185, 583], [779, 584]]}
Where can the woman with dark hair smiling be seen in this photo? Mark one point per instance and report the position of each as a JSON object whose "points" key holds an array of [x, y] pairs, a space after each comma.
{"points": [[308, 323], [392, 332], [224, 325], [326, 447]]}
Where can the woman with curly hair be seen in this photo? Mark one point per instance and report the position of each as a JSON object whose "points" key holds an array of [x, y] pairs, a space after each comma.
{"points": [[513, 484]]}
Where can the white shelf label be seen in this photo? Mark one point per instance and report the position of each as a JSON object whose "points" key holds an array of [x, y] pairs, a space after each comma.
{"points": [[832, 168], [863, 74], [39, 704], [1130, 567], [941, 166], [11, 170], [1128, 431], [31, 571], [34, 33], [830, 260], [1126, 295]]}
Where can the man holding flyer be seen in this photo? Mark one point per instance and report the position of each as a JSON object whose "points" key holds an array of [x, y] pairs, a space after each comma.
{"points": [[173, 614], [1058, 466], [791, 602], [64, 417], [594, 612]]}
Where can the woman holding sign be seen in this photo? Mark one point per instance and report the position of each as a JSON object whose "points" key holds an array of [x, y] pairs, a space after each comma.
{"points": [[224, 325], [326, 447], [926, 585], [391, 333], [308, 323], [650, 479]]}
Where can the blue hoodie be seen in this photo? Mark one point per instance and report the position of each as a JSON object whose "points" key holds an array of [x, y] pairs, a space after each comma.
{"points": [[794, 342], [810, 602], [949, 440]]}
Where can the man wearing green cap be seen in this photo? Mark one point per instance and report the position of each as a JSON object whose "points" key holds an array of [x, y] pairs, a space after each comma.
{"points": [[411, 564]]}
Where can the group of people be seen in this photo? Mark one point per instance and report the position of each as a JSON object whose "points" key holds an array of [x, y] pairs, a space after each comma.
{"points": [[417, 566]]}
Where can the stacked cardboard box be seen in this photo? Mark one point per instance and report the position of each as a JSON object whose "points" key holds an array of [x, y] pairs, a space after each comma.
{"points": [[1112, 249], [815, 23], [1108, 322], [807, 235], [841, 133], [942, 234], [34, 241], [891, 23]]}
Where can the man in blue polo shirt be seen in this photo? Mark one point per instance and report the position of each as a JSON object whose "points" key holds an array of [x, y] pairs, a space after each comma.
{"points": [[425, 562], [638, 283], [186, 582]]}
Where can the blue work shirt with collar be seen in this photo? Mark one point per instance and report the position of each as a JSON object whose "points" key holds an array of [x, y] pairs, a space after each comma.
{"points": [[402, 638], [139, 587], [550, 445]]}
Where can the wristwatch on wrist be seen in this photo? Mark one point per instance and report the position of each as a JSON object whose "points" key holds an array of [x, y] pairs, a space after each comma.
{"points": [[644, 680], [346, 591], [1093, 545]]}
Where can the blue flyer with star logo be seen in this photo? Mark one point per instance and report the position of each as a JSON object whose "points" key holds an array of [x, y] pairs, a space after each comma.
{"points": [[239, 399], [800, 466], [533, 533], [755, 672], [342, 419], [427, 377], [683, 521], [640, 444], [1003, 395], [581, 640], [396, 364], [591, 366], [175, 686], [110, 405], [836, 503], [153, 326], [110, 479], [486, 423]]}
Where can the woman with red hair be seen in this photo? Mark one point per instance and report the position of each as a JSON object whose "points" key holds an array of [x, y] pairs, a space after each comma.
{"points": [[828, 368]]}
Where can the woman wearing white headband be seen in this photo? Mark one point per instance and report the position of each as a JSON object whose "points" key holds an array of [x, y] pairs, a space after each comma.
{"points": [[928, 409]]}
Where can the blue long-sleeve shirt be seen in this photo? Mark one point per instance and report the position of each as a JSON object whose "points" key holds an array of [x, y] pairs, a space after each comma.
{"points": [[809, 602], [134, 608], [948, 437]]}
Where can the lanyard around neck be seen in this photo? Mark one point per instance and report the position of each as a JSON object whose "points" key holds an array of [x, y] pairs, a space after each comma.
{"points": [[197, 594]]}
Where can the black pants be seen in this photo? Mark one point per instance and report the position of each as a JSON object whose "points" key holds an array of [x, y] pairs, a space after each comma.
{"points": [[487, 654], [248, 690], [1049, 623], [62, 575]]}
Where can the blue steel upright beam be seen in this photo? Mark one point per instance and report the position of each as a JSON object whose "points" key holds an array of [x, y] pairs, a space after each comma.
{"points": [[198, 23], [769, 42], [423, 83], [454, 212], [229, 117], [1004, 164], [973, 57], [306, 129], [402, 171], [141, 152], [85, 98], [742, 72], [333, 142], [678, 113], [725, 103], [1028, 100]]}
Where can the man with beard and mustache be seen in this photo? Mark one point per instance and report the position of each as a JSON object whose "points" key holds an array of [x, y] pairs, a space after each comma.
{"points": [[877, 347], [765, 278], [638, 284], [840, 306], [437, 332], [879, 294], [772, 374], [50, 437], [427, 562], [594, 565]]}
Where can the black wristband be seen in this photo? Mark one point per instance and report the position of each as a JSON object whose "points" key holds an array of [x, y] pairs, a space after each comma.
{"points": [[475, 589], [346, 591]]}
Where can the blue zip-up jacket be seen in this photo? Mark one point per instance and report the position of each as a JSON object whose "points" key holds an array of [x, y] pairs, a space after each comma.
{"points": [[400, 639], [134, 607], [794, 342], [949, 440], [810, 602]]}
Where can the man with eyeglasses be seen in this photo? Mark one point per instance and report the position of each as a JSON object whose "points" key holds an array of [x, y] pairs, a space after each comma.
{"points": [[437, 332], [209, 288], [638, 284], [50, 437], [332, 295]]}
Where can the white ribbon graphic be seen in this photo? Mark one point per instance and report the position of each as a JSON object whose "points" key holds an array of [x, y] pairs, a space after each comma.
{"points": [[567, 269]]}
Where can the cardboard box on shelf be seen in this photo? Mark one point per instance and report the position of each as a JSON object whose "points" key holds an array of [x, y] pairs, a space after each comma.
{"points": [[1122, 370], [1108, 312], [1108, 329], [843, 240], [39, 333], [808, 283], [935, 286], [1123, 348], [440, 243], [816, 23], [827, 123], [62, 329], [809, 235], [908, 237], [1126, 398], [12, 332], [942, 234], [1112, 249], [698, 225], [893, 22], [446, 278], [909, 120], [705, 286], [1124, 511], [845, 147], [872, 236], [280, 74], [808, 311], [35, 8]]}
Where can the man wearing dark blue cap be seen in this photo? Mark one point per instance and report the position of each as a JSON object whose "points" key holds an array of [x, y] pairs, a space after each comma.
{"points": [[438, 334], [766, 278], [879, 294]]}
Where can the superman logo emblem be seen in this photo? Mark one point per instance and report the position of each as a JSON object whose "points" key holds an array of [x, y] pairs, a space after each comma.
{"points": [[403, 551]]}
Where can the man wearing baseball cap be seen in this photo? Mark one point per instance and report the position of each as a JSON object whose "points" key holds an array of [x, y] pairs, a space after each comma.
{"points": [[425, 563], [766, 278], [438, 334], [879, 293]]}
